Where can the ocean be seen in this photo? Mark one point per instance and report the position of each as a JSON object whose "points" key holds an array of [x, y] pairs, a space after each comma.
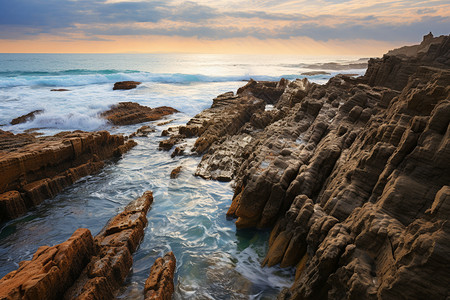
{"points": [[214, 260]]}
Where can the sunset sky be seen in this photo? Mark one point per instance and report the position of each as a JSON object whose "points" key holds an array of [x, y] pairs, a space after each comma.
{"points": [[226, 26]]}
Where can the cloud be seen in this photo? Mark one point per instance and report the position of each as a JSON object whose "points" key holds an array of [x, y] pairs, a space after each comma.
{"points": [[97, 20]]}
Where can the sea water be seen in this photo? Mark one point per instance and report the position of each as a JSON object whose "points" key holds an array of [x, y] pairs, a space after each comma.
{"points": [[214, 260]]}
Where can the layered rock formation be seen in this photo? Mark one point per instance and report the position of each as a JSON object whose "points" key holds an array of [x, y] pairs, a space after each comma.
{"points": [[34, 169], [126, 113], [159, 284], [126, 85], [353, 176], [227, 116], [83, 267]]}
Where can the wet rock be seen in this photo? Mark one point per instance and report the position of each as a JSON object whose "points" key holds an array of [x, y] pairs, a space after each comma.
{"points": [[51, 271], [42, 168], [116, 242], [59, 90], [126, 113], [143, 131], [226, 116], [26, 118], [159, 284], [175, 172], [352, 176], [83, 267], [178, 151], [126, 85]]}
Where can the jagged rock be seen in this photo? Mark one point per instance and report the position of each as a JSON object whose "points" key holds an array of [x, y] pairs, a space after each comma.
{"points": [[143, 131], [175, 172], [41, 169], [227, 115], [26, 118], [126, 85], [10, 141], [82, 267], [51, 271], [159, 284], [126, 113], [116, 242], [353, 177]]}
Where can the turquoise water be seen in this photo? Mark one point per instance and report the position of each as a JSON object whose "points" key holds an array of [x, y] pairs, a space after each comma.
{"points": [[214, 260]]}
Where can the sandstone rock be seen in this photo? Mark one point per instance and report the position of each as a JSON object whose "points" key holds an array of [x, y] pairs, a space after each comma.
{"points": [[227, 115], [352, 176], [126, 113], [159, 284], [41, 169], [26, 118], [51, 271], [116, 242], [82, 267], [126, 85]]}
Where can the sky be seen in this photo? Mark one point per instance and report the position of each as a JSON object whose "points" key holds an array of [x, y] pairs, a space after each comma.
{"points": [[309, 27]]}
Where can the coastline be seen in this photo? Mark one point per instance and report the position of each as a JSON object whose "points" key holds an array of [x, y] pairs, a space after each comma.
{"points": [[328, 158]]}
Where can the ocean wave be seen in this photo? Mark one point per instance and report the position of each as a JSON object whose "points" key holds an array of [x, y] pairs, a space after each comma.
{"points": [[87, 77], [69, 121]]}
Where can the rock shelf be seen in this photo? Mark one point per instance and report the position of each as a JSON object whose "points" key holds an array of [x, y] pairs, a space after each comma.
{"points": [[83, 267], [34, 169]]}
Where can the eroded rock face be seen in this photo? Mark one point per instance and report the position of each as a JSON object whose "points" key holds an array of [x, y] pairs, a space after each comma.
{"points": [[159, 284], [83, 267], [126, 113], [226, 117], [126, 85], [41, 167], [353, 177], [116, 243], [51, 271]]}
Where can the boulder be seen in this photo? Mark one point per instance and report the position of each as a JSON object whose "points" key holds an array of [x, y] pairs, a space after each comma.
{"points": [[126, 113], [126, 85]]}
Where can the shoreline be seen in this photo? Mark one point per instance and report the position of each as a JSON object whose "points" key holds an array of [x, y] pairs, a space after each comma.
{"points": [[329, 157]]}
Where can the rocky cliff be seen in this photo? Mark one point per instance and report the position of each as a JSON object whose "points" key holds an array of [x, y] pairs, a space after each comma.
{"points": [[353, 177]]}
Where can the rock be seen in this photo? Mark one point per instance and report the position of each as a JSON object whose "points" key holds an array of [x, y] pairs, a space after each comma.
{"points": [[10, 141], [126, 85], [126, 113], [116, 242], [26, 118], [178, 151], [159, 284], [51, 271], [59, 90], [143, 131], [352, 177], [226, 116], [175, 172], [269, 91], [82, 267], [42, 167]]}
